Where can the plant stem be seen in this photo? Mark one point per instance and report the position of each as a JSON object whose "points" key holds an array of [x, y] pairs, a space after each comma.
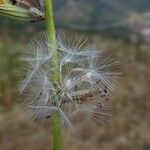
{"points": [[56, 130], [49, 22]]}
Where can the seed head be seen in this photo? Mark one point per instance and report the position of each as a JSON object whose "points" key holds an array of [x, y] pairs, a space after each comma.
{"points": [[87, 75]]}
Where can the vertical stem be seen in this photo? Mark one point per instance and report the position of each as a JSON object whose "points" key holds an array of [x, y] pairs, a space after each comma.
{"points": [[49, 22], [56, 131]]}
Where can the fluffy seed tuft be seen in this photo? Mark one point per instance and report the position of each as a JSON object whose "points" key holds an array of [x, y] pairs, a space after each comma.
{"points": [[86, 77]]}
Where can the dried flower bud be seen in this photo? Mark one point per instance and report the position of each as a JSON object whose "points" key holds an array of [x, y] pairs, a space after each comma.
{"points": [[18, 12]]}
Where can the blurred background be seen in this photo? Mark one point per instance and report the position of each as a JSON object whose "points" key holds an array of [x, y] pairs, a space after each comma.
{"points": [[125, 26]]}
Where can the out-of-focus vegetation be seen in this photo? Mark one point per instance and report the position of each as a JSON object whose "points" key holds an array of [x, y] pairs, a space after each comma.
{"points": [[130, 42]]}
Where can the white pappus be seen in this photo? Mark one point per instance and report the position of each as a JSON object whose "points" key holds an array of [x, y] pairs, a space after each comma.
{"points": [[87, 75]]}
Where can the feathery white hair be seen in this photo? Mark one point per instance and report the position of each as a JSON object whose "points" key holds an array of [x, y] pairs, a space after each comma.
{"points": [[86, 77]]}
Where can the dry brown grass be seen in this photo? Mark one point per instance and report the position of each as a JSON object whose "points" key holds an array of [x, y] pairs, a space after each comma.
{"points": [[129, 129]]}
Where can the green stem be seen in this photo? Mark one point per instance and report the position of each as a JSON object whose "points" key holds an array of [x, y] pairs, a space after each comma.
{"points": [[56, 131], [49, 22]]}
